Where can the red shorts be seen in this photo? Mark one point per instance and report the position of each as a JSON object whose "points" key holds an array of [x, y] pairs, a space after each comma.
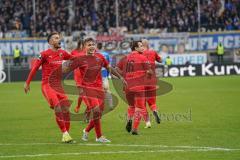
{"points": [[136, 98], [94, 97], [55, 98]]}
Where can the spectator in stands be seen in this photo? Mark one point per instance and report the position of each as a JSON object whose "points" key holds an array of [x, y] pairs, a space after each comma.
{"points": [[139, 16], [17, 56]]}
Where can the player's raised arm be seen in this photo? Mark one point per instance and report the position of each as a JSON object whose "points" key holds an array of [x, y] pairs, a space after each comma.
{"points": [[32, 73], [116, 73]]}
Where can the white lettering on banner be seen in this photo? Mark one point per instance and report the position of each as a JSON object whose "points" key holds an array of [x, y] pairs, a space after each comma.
{"points": [[221, 72], [205, 69], [210, 41], [6, 49], [173, 72], [237, 69], [237, 42], [229, 68], [16, 44], [192, 58], [182, 71], [228, 41], [2, 76], [27, 47], [191, 70]]}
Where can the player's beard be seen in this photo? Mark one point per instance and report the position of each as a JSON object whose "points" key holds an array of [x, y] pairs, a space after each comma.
{"points": [[58, 45]]}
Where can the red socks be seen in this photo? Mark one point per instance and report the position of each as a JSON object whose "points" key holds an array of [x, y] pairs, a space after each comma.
{"points": [[60, 121]]}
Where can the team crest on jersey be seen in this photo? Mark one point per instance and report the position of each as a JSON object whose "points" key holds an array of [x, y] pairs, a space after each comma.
{"points": [[60, 55]]}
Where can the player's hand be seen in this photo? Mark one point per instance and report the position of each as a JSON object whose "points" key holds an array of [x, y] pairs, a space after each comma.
{"points": [[26, 88], [149, 73]]}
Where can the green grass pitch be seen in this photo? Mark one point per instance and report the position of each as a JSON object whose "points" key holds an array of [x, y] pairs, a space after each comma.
{"points": [[202, 121]]}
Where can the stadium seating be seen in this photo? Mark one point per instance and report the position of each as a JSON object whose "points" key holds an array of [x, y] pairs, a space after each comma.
{"points": [[139, 16]]}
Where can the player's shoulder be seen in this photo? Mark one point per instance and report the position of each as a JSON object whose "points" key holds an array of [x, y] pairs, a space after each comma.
{"points": [[63, 51], [45, 53], [74, 52], [151, 51], [99, 55]]}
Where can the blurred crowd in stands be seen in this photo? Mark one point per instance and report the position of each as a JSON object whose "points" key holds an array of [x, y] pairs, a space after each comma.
{"points": [[137, 16]]}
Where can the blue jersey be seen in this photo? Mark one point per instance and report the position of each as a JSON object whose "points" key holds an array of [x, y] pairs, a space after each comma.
{"points": [[105, 73]]}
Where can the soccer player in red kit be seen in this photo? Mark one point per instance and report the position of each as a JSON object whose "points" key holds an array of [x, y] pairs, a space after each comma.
{"points": [[135, 69], [77, 74], [152, 56], [90, 66], [51, 60]]}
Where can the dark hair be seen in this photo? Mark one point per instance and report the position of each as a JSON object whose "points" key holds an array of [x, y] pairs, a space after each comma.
{"points": [[79, 45], [99, 46], [88, 40], [50, 35], [134, 44]]}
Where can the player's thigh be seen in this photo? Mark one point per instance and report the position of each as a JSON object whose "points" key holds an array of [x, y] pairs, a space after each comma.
{"points": [[130, 98], [139, 100], [50, 95], [63, 100]]}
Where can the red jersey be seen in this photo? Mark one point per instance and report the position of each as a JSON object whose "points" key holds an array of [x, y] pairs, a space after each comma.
{"points": [[50, 61], [134, 67], [152, 56], [90, 68], [76, 73]]}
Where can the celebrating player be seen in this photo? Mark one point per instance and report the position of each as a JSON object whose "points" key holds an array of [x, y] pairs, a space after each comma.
{"points": [[90, 65], [51, 61], [77, 74], [152, 56], [136, 69]]}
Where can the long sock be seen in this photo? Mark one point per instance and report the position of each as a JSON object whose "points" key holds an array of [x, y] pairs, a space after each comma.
{"points": [[90, 126], [131, 110], [97, 127], [66, 116], [60, 121], [145, 115], [137, 119]]}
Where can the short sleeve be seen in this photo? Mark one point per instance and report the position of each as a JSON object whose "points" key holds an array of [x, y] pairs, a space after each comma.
{"points": [[120, 63]]}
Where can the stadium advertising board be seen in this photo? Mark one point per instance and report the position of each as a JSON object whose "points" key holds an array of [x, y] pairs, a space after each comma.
{"points": [[210, 41], [170, 43], [209, 69], [192, 58], [28, 46], [180, 42]]}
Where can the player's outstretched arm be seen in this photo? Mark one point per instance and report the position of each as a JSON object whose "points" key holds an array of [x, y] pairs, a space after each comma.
{"points": [[115, 73], [32, 73]]}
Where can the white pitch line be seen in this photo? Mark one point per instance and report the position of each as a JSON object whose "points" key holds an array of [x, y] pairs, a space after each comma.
{"points": [[121, 145], [105, 152]]}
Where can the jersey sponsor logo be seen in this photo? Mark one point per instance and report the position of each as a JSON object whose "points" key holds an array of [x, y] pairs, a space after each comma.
{"points": [[60, 55]]}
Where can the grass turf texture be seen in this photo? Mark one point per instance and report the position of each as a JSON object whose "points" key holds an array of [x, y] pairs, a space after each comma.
{"points": [[28, 129]]}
